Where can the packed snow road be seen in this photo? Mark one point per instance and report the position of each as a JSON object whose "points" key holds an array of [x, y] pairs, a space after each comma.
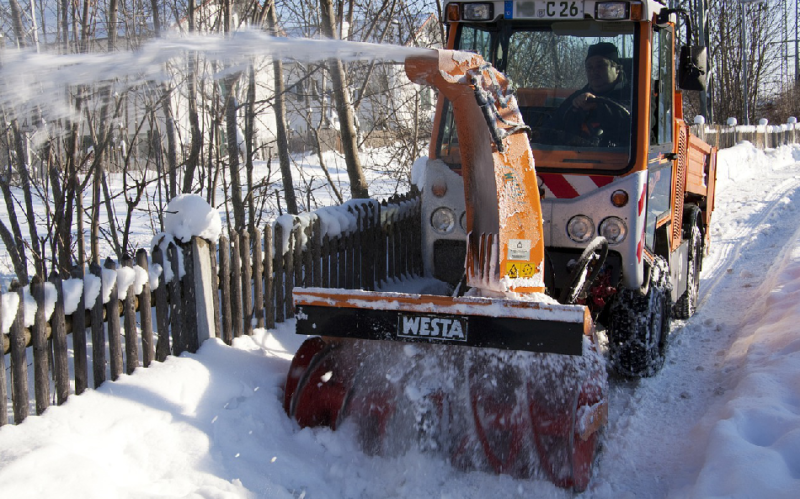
{"points": [[722, 419], [650, 439]]}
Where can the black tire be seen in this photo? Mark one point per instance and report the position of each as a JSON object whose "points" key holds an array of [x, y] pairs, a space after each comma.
{"points": [[639, 325], [686, 305]]}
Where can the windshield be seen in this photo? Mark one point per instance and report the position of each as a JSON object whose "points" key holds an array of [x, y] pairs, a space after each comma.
{"points": [[573, 86]]}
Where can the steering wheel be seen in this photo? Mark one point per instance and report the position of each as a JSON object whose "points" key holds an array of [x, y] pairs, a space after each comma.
{"points": [[603, 125]]}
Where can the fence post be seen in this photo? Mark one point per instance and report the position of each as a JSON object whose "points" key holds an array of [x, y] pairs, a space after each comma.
{"points": [[131, 335], [41, 369], [269, 279], [189, 295], [212, 250], [258, 279], [112, 316], [145, 311], [19, 364], [162, 308], [279, 274], [59, 328], [175, 301], [225, 289], [98, 334], [247, 295], [294, 267], [307, 257], [79, 336], [204, 290], [236, 285], [316, 251]]}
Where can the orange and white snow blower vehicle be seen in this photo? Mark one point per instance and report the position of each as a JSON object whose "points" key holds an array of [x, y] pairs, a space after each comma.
{"points": [[506, 373]]}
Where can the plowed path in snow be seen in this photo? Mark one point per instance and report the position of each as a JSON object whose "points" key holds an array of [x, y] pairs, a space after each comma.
{"points": [[650, 450]]}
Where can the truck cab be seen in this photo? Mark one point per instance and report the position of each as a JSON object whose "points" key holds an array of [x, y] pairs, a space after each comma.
{"points": [[622, 166]]}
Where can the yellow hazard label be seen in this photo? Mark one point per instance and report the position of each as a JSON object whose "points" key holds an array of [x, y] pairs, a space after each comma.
{"points": [[521, 269]]}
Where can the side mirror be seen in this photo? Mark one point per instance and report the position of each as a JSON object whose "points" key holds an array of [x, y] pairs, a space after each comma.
{"points": [[693, 68]]}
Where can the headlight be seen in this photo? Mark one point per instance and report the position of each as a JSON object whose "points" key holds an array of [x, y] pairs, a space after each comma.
{"points": [[613, 229], [477, 11], [580, 228], [443, 221]]}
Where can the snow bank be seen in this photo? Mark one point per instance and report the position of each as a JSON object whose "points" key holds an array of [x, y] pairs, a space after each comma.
{"points": [[744, 161], [190, 215], [754, 440]]}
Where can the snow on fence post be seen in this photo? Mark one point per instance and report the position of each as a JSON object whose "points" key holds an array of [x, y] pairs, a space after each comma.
{"points": [[58, 325], [258, 279], [204, 291], [269, 279], [162, 308], [145, 311], [19, 364], [98, 334], [79, 336], [112, 316], [3, 394], [41, 368], [236, 285], [316, 250], [175, 301], [129, 313]]}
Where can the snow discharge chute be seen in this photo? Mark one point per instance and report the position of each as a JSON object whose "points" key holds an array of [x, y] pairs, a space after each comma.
{"points": [[504, 379]]}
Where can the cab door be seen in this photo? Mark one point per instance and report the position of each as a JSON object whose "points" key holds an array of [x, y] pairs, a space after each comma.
{"points": [[662, 141]]}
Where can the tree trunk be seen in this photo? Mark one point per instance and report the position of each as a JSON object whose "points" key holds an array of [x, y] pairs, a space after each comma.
{"points": [[233, 156], [249, 141], [16, 21], [358, 184], [280, 122]]}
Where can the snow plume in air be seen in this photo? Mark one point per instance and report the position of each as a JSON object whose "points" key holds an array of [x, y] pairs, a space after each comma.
{"points": [[36, 84]]}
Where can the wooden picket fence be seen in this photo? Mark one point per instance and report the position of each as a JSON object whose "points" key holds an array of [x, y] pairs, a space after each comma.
{"points": [[385, 245], [762, 136], [251, 286]]}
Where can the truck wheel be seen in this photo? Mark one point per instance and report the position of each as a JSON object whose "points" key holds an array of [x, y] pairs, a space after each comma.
{"points": [[686, 305], [639, 324]]}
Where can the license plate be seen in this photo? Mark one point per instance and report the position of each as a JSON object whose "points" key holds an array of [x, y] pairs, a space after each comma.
{"points": [[433, 327], [547, 9]]}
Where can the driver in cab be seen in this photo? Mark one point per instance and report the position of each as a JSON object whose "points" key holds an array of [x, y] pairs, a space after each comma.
{"points": [[599, 113]]}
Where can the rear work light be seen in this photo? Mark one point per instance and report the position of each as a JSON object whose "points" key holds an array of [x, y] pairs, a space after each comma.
{"points": [[612, 11], [478, 11]]}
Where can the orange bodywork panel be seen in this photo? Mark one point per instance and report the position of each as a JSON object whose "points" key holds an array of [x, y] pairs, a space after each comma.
{"points": [[504, 222]]}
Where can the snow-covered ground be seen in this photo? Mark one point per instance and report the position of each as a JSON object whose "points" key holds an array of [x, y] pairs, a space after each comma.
{"points": [[722, 419]]}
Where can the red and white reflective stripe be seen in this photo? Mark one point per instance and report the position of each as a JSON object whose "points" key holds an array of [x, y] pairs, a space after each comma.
{"points": [[560, 186]]}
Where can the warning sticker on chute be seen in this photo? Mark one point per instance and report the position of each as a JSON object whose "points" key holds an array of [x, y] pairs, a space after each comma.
{"points": [[519, 249], [517, 270]]}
